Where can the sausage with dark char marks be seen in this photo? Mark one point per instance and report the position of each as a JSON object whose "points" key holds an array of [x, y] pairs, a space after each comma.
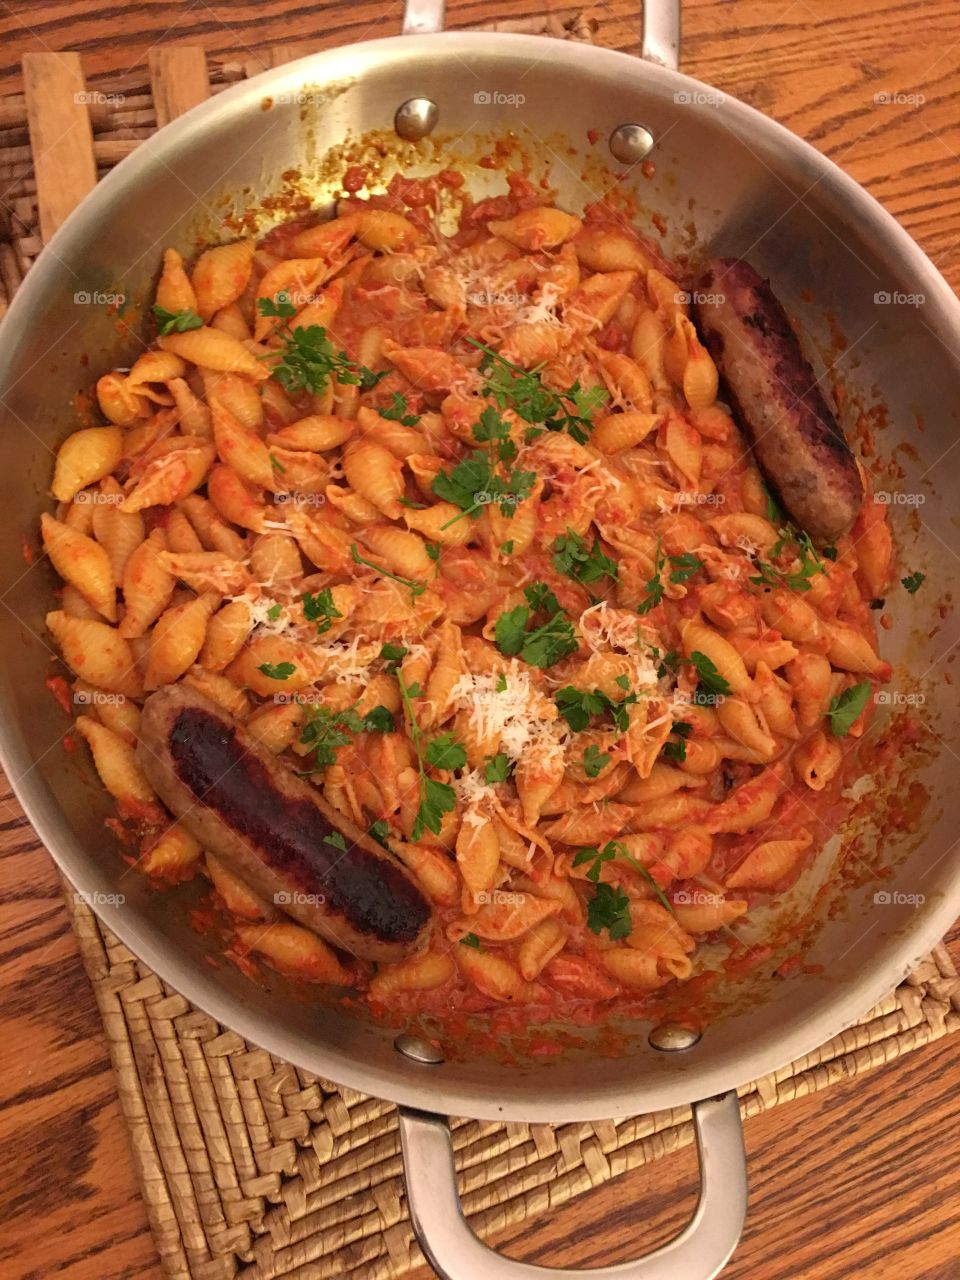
{"points": [[775, 398], [275, 830]]}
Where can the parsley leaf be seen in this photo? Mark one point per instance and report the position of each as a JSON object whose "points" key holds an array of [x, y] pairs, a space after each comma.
{"points": [[379, 830], [845, 709], [654, 587], [579, 706], [501, 685], [913, 581], [274, 612], [436, 798], [470, 940], [175, 321], [609, 909], [684, 566], [594, 761], [308, 360], [544, 645], [282, 670], [445, 752], [320, 609], [393, 654], [572, 556], [324, 731], [379, 720], [612, 851], [336, 838], [497, 768], [396, 411], [710, 677], [678, 750], [570, 410]]}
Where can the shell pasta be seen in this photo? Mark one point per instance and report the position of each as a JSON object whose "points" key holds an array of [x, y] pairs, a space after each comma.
{"points": [[455, 524]]}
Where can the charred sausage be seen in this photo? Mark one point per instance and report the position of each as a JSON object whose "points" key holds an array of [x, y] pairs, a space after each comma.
{"points": [[275, 831], [773, 393]]}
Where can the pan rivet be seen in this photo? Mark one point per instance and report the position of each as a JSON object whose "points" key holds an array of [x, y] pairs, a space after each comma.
{"points": [[418, 1049], [631, 143], [416, 118], [671, 1036]]}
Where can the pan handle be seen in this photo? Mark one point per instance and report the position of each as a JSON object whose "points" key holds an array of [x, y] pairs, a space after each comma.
{"points": [[698, 1253], [660, 27]]}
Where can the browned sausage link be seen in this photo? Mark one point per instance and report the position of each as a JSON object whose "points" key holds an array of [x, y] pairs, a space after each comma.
{"points": [[773, 393], [282, 838]]}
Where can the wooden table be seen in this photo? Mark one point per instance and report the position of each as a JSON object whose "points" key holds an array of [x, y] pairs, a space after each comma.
{"points": [[862, 1180]]}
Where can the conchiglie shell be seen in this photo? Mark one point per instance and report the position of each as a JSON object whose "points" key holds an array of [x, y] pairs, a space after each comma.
{"points": [[174, 290], [226, 635], [170, 478], [275, 560], [173, 855], [605, 248], [147, 587], [295, 950], [118, 402], [83, 563], [768, 863], [442, 522], [96, 652], [376, 475], [154, 366], [387, 232], [647, 345], [420, 973], [118, 532], [241, 449], [540, 228], [221, 275], [267, 650], [84, 458], [275, 726], [325, 240], [214, 349], [221, 691], [116, 762], [700, 378], [324, 544], [176, 640], [619, 431], [239, 899], [318, 432], [402, 552], [233, 500], [236, 394], [207, 571]]}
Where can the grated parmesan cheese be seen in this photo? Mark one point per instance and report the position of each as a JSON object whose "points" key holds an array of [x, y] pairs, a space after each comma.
{"points": [[524, 721]]}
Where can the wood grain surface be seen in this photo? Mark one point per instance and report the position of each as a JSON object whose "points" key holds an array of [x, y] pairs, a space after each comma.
{"points": [[862, 1180]]}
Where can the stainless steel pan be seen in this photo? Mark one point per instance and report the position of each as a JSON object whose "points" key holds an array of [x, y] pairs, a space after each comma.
{"points": [[755, 190]]}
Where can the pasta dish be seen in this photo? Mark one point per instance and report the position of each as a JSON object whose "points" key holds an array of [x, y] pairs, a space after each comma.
{"points": [[434, 597]]}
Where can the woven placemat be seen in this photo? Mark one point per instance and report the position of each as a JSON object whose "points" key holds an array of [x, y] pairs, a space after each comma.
{"points": [[248, 1165]]}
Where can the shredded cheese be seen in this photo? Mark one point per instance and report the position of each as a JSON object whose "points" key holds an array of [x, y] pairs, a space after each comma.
{"points": [[520, 717]]}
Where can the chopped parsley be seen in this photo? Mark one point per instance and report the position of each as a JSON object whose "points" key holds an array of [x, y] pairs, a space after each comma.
{"points": [[444, 752], [811, 562], [280, 671], [570, 410], [320, 609], [497, 768], [274, 612], [710, 677], [325, 730], [392, 655], [336, 838], [572, 556], [396, 411], [594, 761], [610, 852], [913, 582], [501, 685], [175, 321], [609, 909], [379, 830], [308, 359], [436, 798], [379, 720], [546, 643], [478, 481], [579, 706], [678, 750], [470, 940], [846, 707], [683, 567]]}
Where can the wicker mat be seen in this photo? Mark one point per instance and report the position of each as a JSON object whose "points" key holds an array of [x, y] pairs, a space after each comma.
{"points": [[248, 1165]]}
